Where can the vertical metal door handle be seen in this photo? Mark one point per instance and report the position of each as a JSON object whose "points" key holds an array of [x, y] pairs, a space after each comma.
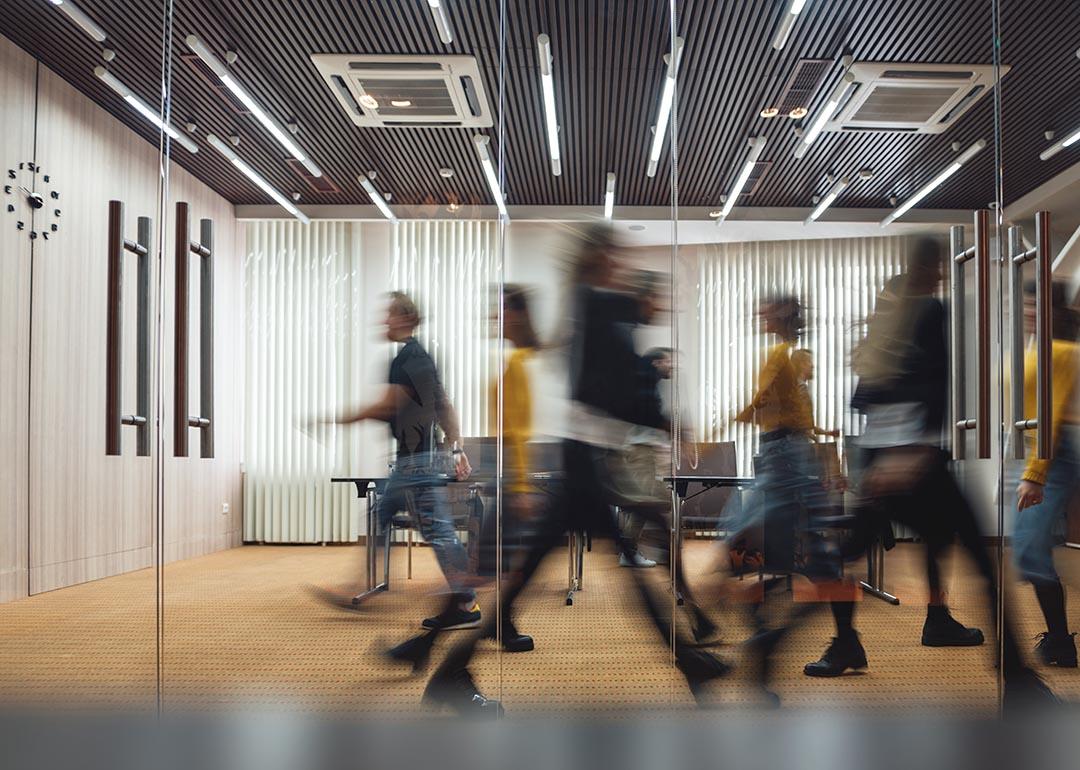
{"points": [[1044, 337], [982, 313]]}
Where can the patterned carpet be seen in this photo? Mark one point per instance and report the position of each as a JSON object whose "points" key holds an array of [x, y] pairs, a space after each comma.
{"points": [[244, 627]]}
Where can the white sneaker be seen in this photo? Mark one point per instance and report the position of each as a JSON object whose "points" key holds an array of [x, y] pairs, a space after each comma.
{"points": [[637, 561]]}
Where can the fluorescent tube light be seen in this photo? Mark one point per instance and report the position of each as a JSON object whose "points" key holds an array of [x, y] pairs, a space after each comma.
{"points": [[934, 183], [77, 15], [827, 201], [251, 174], [481, 141], [276, 130], [377, 199], [793, 11], [1057, 147], [442, 22], [666, 98], [609, 196], [143, 109], [547, 85], [756, 147], [822, 118]]}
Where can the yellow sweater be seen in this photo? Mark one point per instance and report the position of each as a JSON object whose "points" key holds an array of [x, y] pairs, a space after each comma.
{"points": [[779, 402], [1066, 363], [517, 419]]}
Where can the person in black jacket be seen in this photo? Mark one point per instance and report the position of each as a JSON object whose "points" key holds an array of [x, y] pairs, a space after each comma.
{"points": [[903, 383], [605, 409]]}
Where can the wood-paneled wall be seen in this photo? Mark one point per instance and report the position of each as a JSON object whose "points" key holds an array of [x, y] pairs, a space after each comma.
{"points": [[17, 74], [70, 513]]}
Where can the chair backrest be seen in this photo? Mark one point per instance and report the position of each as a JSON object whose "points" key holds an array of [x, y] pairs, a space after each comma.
{"points": [[716, 458]]}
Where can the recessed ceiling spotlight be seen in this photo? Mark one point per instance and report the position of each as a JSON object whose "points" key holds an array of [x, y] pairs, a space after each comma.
{"points": [[234, 139], [231, 57], [296, 196], [637, 228], [798, 113], [452, 207], [369, 101], [446, 173], [108, 54], [769, 112], [401, 102], [293, 128], [956, 146], [1048, 135], [191, 128], [716, 214], [866, 174], [816, 200], [893, 200]]}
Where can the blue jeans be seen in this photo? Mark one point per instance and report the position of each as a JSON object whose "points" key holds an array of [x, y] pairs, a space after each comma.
{"points": [[1033, 535], [787, 500], [415, 486]]}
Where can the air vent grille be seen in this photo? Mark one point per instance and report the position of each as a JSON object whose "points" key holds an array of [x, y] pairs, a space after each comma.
{"points": [[802, 85]]}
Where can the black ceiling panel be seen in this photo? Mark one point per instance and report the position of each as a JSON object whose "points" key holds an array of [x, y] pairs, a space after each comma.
{"points": [[608, 65]]}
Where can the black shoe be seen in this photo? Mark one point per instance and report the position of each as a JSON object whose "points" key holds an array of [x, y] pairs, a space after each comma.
{"points": [[1024, 691], [761, 646], [706, 634], [457, 691], [943, 630], [416, 651], [1057, 649], [699, 667], [843, 653], [453, 619], [514, 641]]}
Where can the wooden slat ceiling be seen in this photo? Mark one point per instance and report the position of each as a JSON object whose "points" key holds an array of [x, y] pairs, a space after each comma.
{"points": [[608, 71]]}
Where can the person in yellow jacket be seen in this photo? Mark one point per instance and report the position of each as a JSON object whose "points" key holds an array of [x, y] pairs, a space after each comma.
{"points": [[1046, 486]]}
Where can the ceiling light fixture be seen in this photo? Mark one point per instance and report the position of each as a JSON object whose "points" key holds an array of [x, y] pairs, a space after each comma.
{"points": [[1057, 147], [77, 15], [937, 181], [401, 103], [481, 141], [797, 113], [271, 125], [377, 199], [251, 174], [547, 85], [756, 146], [609, 196], [770, 112], [368, 101], [826, 113], [827, 201], [666, 98], [143, 109], [442, 22], [793, 11]]}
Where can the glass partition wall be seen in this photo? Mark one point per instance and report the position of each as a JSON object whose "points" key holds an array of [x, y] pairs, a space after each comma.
{"points": [[623, 318], [86, 147]]}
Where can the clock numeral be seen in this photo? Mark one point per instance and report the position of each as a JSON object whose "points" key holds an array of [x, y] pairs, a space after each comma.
{"points": [[54, 228], [21, 167], [20, 225], [11, 173], [11, 209], [54, 195], [45, 236], [31, 167], [56, 212], [7, 189], [46, 179], [33, 235]]}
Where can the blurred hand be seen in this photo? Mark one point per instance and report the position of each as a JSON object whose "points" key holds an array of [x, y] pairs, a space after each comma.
{"points": [[833, 433], [462, 469], [1028, 493]]}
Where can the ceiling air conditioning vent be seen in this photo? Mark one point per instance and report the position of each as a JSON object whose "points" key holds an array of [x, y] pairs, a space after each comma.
{"points": [[912, 98], [407, 91]]}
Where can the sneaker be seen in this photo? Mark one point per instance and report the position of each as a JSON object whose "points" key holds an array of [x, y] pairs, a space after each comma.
{"points": [[454, 619], [637, 560], [843, 653], [943, 630], [1057, 649], [457, 691]]}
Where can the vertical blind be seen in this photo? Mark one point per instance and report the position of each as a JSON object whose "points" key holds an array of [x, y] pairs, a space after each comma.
{"points": [[450, 269], [308, 333], [836, 280], [304, 320]]}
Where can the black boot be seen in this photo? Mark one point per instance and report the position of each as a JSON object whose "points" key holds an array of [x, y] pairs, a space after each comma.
{"points": [[513, 640], [416, 651], [457, 690], [843, 653], [699, 667], [943, 630], [1057, 649]]}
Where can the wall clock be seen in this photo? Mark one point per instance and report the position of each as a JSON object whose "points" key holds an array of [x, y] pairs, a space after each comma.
{"points": [[32, 201]]}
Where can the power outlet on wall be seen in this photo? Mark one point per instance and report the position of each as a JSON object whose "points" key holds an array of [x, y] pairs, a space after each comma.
{"points": [[224, 508]]}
